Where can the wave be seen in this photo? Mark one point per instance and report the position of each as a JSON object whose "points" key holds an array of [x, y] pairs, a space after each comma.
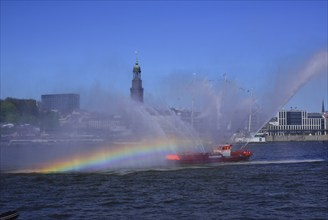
{"points": [[285, 161], [128, 171], [207, 166]]}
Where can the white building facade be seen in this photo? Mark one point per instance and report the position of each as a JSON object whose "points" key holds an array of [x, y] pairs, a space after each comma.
{"points": [[296, 122]]}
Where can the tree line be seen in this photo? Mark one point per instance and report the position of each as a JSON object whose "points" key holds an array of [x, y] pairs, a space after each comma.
{"points": [[26, 111]]}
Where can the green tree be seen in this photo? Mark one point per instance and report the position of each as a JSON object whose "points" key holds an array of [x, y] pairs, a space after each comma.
{"points": [[19, 111], [8, 112]]}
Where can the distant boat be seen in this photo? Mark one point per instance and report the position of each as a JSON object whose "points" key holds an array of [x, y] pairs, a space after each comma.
{"points": [[257, 138], [250, 140], [9, 215], [221, 154]]}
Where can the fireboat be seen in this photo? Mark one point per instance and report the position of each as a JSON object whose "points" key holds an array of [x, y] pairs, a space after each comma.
{"points": [[220, 154]]}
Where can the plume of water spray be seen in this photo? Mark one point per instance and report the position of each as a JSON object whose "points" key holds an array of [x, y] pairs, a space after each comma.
{"points": [[226, 110], [292, 81], [222, 108]]}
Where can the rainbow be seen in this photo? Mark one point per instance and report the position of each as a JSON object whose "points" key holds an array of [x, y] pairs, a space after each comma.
{"points": [[119, 155]]}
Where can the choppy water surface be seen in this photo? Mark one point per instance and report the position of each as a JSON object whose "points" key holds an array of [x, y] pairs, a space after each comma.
{"points": [[286, 180]]}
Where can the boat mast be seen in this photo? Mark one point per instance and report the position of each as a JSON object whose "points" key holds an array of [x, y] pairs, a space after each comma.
{"points": [[250, 113], [192, 101]]}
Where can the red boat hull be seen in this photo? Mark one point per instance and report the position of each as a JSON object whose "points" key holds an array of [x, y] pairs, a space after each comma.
{"points": [[208, 158]]}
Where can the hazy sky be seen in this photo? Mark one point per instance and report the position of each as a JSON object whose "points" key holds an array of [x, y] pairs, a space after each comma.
{"points": [[75, 46]]}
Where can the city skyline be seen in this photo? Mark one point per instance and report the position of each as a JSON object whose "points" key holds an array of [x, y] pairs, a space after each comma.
{"points": [[75, 47]]}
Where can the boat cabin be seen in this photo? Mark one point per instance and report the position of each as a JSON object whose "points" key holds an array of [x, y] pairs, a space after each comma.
{"points": [[225, 150]]}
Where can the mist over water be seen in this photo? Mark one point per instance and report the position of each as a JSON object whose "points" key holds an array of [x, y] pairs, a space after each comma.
{"points": [[220, 108], [225, 107]]}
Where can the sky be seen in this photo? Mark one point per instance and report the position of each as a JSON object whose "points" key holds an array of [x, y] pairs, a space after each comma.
{"points": [[79, 46]]}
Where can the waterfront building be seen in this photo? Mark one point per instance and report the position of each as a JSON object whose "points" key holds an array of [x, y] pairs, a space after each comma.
{"points": [[60, 102], [325, 116], [136, 90], [297, 122]]}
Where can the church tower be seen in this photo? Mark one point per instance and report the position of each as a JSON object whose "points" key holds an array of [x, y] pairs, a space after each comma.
{"points": [[136, 90]]}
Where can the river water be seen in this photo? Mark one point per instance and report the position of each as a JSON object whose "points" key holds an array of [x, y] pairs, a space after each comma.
{"points": [[282, 180]]}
